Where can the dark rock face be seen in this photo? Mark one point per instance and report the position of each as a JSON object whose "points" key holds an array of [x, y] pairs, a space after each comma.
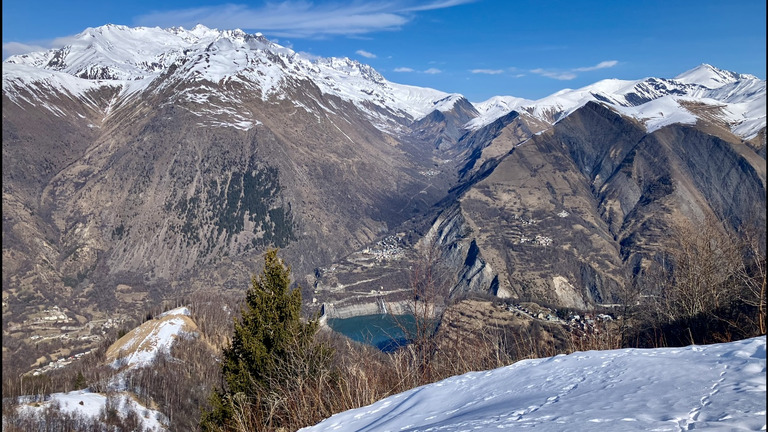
{"points": [[568, 214], [442, 129]]}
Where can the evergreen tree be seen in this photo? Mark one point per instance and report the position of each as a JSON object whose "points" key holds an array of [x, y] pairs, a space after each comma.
{"points": [[271, 346], [79, 381]]}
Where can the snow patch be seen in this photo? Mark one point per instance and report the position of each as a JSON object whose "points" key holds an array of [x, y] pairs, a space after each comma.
{"points": [[140, 346], [89, 404]]}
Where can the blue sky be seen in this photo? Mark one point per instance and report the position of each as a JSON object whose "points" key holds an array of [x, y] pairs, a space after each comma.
{"points": [[479, 48]]}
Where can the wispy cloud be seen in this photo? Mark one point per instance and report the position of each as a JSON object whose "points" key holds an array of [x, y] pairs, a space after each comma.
{"points": [[564, 76], [287, 18], [366, 54], [601, 65], [571, 73], [487, 71], [14, 48], [301, 19], [431, 71], [439, 5]]}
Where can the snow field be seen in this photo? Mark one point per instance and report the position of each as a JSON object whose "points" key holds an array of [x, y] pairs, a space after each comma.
{"points": [[716, 387]]}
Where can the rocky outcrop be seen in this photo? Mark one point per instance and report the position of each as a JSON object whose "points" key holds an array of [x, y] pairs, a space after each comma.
{"points": [[562, 217], [565, 216], [451, 235]]}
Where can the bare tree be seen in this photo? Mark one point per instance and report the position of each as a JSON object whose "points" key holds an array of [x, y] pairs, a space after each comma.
{"points": [[752, 273], [703, 276], [430, 281], [708, 284]]}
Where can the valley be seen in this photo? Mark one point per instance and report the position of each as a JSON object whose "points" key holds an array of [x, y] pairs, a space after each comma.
{"points": [[135, 183]]}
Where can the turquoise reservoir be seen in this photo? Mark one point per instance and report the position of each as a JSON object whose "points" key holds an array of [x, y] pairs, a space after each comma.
{"points": [[383, 331]]}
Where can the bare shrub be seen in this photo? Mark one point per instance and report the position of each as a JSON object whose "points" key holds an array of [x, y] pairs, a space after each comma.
{"points": [[707, 286]]}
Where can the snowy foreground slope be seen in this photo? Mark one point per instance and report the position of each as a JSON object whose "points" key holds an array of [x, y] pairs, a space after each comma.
{"points": [[713, 387]]}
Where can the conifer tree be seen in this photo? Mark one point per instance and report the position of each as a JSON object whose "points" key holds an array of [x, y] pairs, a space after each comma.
{"points": [[271, 345]]}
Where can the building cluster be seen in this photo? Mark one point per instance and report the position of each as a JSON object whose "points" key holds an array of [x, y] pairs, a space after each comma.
{"points": [[53, 315], [388, 248], [524, 221], [546, 315], [539, 240], [587, 322], [59, 363]]}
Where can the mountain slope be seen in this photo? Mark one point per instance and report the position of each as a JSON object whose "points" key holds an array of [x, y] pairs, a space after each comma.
{"points": [[571, 214], [720, 387], [567, 214], [135, 56], [170, 168]]}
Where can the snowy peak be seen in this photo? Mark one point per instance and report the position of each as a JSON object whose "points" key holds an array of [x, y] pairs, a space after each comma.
{"points": [[494, 108], [141, 54], [129, 53], [133, 57], [657, 102], [711, 77]]}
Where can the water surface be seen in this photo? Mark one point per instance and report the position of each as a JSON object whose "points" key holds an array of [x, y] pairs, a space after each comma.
{"points": [[384, 331]]}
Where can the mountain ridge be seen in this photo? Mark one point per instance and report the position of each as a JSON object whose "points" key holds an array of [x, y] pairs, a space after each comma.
{"points": [[230, 55], [97, 54]]}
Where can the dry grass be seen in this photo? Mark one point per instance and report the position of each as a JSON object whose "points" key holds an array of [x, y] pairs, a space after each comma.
{"points": [[475, 335]]}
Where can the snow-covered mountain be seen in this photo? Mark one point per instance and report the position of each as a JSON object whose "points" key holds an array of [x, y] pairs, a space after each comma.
{"points": [[133, 58], [326, 123], [173, 130], [738, 98], [712, 387]]}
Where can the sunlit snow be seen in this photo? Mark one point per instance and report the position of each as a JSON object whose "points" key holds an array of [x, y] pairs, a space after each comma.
{"points": [[133, 57], [89, 404], [141, 345], [711, 77], [660, 112], [653, 101], [714, 387], [229, 63]]}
